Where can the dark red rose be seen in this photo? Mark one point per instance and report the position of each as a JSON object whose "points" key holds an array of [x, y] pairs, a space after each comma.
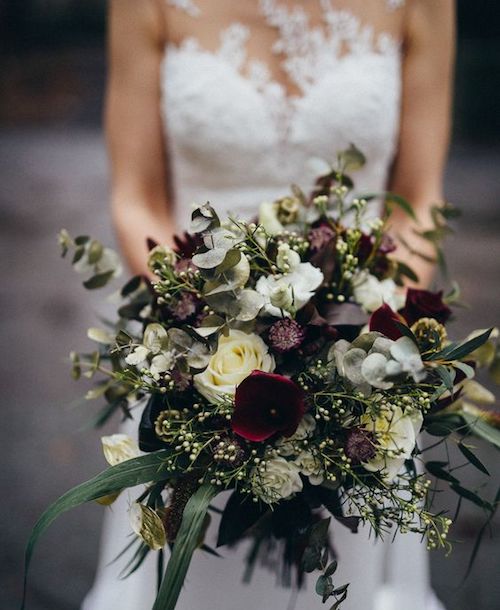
{"points": [[383, 320], [425, 304], [267, 404]]}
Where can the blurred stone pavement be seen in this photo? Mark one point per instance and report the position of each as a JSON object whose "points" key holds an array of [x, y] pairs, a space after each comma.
{"points": [[54, 178]]}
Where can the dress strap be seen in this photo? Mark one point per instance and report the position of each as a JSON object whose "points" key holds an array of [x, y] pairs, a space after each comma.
{"points": [[188, 6]]}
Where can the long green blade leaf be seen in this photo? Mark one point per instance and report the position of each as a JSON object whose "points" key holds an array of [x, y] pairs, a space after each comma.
{"points": [[186, 542], [483, 429], [132, 472]]}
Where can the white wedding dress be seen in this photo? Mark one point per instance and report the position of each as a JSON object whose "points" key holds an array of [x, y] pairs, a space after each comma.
{"points": [[236, 136]]}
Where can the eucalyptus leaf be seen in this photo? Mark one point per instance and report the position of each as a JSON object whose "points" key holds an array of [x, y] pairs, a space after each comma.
{"points": [[98, 281], [131, 286], [231, 259], [209, 259], [95, 252]]}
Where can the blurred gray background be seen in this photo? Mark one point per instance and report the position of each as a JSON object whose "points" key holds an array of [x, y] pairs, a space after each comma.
{"points": [[53, 174]]}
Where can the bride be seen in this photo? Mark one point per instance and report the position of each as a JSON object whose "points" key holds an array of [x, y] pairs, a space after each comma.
{"points": [[228, 102]]}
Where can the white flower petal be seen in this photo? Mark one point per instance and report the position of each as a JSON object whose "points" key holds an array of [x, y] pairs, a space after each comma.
{"points": [[138, 355]]}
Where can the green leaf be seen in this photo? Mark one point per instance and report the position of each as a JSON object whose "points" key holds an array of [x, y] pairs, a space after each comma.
{"points": [[331, 568], [464, 349], [131, 286], [473, 459], [318, 533], [407, 271], [436, 469], [480, 535], [471, 496], [81, 240], [352, 159], [239, 515], [231, 259], [76, 369], [98, 281], [444, 425], [95, 251], [481, 428], [391, 200], [447, 376], [185, 544], [338, 603], [406, 331], [132, 472]]}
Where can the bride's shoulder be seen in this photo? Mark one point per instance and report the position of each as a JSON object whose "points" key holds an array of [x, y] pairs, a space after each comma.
{"points": [[429, 14], [131, 17]]}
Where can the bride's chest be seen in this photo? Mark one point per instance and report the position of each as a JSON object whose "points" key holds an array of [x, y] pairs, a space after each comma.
{"points": [[307, 91], [208, 102]]}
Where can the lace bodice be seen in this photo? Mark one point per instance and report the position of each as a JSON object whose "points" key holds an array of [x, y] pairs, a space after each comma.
{"points": [[238, 134]]}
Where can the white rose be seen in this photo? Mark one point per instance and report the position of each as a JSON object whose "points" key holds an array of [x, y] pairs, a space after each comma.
{"points": [[310, 467], [396, 436], [280, 479], [371, 293], [236, 357], [119, 447]]}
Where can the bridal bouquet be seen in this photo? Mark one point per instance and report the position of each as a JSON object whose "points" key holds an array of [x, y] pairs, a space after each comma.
{"points": [[283, 361]]}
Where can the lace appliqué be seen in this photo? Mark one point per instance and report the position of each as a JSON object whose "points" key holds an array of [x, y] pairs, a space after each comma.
{"points": [[188, 6], [310, 52]]}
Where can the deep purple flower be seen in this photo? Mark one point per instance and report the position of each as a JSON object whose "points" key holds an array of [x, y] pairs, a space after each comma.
{"points": [[267, 404], [360, 446], [285, 335], [320, 236], [186, 307]]}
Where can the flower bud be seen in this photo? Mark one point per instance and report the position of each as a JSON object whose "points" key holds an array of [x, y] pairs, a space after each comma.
{"points": [[147, 524], [119, 447]]}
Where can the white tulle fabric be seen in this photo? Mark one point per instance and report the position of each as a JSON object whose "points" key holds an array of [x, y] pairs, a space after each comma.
{"points": [[236, 137]]}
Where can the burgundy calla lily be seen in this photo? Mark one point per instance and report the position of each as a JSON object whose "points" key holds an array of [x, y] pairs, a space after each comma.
{"points": [[383, 320], [267, 404]]}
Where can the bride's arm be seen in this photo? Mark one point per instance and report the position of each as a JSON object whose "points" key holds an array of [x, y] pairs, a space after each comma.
{"points": [[425, 123], [140, 205]]}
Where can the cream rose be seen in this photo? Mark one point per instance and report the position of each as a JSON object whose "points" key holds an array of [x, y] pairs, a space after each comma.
{"points": [[279, 479], [311, 467], [236, 357], [396, 435]]}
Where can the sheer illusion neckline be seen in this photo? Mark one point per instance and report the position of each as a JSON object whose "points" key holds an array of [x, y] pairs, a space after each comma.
{"points": [[306, 52]]}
